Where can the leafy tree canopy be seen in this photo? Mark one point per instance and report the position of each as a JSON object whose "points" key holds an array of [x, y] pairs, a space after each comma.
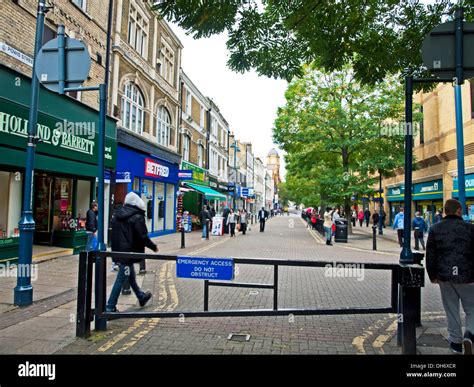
{"points": [[277, 37]]}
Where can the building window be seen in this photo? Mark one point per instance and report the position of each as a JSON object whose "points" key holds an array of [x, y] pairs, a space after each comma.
{"points": [[200, 155], [48, 34], [187, 107], [167, 62], [132, 108], [201, 117], [81, 4], [163, 125], [138, 32], [422, 126], [186, 144]]}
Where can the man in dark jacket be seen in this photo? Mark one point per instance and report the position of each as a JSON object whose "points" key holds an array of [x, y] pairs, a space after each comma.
{"points": [[129, 234], [91, 227], [262, 217], [450, 263], [205, 217], [225, 214], [367, 217]]}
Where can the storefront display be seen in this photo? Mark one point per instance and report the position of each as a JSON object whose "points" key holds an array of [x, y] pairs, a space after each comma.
{"points": [[66, 162], [157, 181], [395, 198], [428, 197], [469, 179]]}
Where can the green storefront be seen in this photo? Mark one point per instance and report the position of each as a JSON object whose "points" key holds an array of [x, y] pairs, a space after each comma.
{"points": [[194, 200], [65, 164], [395, 198]]}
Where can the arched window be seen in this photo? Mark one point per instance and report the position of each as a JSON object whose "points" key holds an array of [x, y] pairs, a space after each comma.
{"points": [[163, 126], [132, 108]]}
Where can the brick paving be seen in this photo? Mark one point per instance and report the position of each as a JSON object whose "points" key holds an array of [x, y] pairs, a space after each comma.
{"points": [[286, 238]]}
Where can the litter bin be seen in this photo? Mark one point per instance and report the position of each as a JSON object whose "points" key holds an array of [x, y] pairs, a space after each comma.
{"points": [[341, 231]]}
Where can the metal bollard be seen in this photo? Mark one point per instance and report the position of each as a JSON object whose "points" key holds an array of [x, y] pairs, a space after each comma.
{"points": [[207, 229], [183, 244], [374, 237]]}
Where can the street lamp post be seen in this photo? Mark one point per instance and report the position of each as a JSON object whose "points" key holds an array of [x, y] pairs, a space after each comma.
{"points": [[236, 149], [23, 292]]}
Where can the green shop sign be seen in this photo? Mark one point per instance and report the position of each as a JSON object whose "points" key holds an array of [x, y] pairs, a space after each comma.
{"points": [[66, 129], [199, 174], [396, 193], [428, 190], [8, 241]]}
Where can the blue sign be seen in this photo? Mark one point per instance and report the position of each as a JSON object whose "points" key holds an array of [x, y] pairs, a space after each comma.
{"points": [[205, 268], [469, 182], [185, 174]]}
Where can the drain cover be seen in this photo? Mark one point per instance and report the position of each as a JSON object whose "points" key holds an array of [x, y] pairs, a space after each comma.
{"points": [[238, 337]]}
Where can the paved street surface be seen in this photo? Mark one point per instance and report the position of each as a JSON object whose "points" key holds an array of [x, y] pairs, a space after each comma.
{"points": [[285, 237]]}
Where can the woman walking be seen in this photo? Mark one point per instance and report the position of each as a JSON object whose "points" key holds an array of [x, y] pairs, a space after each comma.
{"points": [[231, 221], [243, 221], [328, 225]]}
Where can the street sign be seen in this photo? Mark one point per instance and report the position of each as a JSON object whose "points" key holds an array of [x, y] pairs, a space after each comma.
{"points": [[205, 268], [73, 65], [185, 174], [438, 50]]}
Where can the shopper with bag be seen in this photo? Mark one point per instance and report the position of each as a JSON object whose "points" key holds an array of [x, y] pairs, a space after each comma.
{"points": [[91, 227], [231, 221]]}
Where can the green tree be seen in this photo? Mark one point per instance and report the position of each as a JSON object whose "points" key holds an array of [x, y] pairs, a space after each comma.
{"points": [[277, 37], [333, 130]]}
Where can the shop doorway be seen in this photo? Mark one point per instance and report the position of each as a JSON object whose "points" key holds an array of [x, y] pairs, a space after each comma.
{"points": [[52, 208]]}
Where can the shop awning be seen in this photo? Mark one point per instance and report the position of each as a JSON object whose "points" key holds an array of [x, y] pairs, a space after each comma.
{"points": [[208, 193]]}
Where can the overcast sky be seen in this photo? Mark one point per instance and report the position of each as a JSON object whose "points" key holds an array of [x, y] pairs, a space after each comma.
{"points": [[248, 102]]}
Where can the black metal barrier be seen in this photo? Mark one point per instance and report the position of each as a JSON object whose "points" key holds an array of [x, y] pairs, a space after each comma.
{"points": [[85, 313]]}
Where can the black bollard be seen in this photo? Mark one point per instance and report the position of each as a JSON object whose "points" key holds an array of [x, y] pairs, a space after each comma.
{"points": [[207, 229], [374, 238], [183, 245]]}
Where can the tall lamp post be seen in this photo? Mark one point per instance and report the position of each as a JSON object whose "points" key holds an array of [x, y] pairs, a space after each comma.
{"points": [[23, 292], [236, 149]]}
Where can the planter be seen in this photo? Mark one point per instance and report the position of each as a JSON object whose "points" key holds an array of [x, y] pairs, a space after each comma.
{"points": [[73, 239], [9, 249]]}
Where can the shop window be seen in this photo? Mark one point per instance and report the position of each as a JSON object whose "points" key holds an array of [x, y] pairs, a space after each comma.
{"points": [[163, 125], [132, 108]]}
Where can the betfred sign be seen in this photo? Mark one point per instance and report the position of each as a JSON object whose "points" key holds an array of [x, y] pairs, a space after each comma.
{"points": [[154, 169]]}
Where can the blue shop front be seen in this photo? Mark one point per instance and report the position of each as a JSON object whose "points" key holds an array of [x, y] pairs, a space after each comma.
{"points": [[157, 180]]}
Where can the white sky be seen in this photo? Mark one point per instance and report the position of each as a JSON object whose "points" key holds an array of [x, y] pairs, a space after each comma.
{"points": [[248, 102]]}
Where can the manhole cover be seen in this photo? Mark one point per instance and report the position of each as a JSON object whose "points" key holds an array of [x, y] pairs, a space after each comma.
{"points": [[238, 337]]}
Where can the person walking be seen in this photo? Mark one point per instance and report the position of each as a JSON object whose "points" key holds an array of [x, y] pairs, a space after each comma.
{"points": [[129, 234], [231, 221], [243, 221], [225, 214], [384, 216], [419, 228], [360, 217], [398, 224], [375, 219], [353, 217], [328, 225], [438, 217], [205, 218], [262, 217], [450, 264], [367, 217], [91, 227]]}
